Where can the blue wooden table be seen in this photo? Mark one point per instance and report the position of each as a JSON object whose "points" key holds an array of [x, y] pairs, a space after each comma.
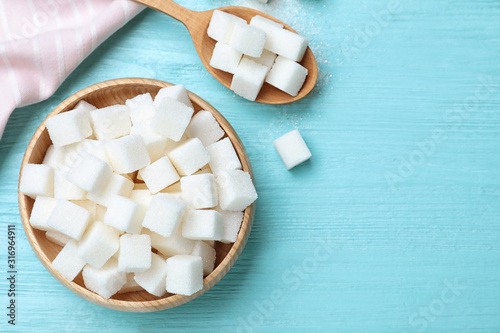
{"points": [[392, 226]]}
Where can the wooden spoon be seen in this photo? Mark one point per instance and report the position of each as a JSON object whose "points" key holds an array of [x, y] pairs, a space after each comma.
{"points": [[197, 24]]}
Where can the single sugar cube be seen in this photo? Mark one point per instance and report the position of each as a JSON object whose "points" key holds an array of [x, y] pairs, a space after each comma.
{"points": [[117, 185], [232, 223], [184, 274], [67, 262], [156, 144], [42, 208], [292, 149], [199, 191], [177, 92], [222, 25], [124, 214], [142, 197], [223, 156], [153, 280], [202, 225], [135, 253], [111, 122], [96, 148], [205, 127], [159, 174], [57, 238], [207, 254], [189, 157], [128, 154], [89, 173], [236, 190], [141, 108], [54, 156], [171, 119], [131, 285], [248, 39], [69, 127], [64, 189], [69, 218], [286, 43], [105, 281], [170, 246], [37, 179], [98, 244], [85, 106], [90, 206], [248, 79], [267, 59], [225, 58], [164, 214], [265, 24], [71, 152], [287, 75]]}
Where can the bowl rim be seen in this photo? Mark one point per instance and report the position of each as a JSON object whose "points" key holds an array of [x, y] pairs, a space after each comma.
{"points": [[166, 302]]}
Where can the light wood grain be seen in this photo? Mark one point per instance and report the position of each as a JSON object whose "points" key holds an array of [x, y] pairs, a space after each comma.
{"points": [[101, 95]]}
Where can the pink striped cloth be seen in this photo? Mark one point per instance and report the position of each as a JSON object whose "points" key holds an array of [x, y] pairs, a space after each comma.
{"points": [[42, 42]]}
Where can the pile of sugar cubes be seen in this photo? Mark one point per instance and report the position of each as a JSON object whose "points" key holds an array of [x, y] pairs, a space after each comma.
{"points": [[137, 194], [262, 51]]}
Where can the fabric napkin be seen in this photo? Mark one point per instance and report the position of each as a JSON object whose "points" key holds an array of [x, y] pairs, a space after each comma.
{"points": [[43, 41]]}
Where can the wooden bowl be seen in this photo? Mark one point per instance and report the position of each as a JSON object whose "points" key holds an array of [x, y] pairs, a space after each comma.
{"points": [[101, 95]]}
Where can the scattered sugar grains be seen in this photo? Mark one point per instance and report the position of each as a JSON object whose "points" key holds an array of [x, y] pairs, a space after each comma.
{"points": [[136, 195]]}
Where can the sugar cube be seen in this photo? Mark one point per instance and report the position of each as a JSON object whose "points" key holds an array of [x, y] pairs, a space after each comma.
{"points": [[69, 127], [170, 246], [265, 24], [42, 208], [111, 122], [189, 157], [207, 254], [164, 214], [177, 92], [159, 174], [69, 219], [124, 214], [98, 244], [199, 191], [90, 206], [54, 156], [84, 105], [117, 185], [142, 197], [286, 43], [67, 262], [202, 225], [222, 25], [153, 280], [184, 274], [248, 39], [130, 286], [96, 148], [267, 59], [64, 189], [57, 238], [89, 173], [248, 79], [156, 144], [105, 281], [223, 156], [292, 149], [232, 223], [204, 127], [236, 190], [135, 253], [171, 119], [225, 58], [71, 152], [141, 108], [128, 154], [37, 179], [287, 75]]}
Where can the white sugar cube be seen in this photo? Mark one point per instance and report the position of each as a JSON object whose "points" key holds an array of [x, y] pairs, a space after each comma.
{"points": [[89, 173], [225, 58], [69, 219], [117, 185], [98, 244], [135, 253], [153, 280], [177, 92], [42, 208], [171, 119], [267, 59], [111, 122], [90, 206], [287, 75], [265, 24], [232, 223], [202, 225], [141, 108], [286, 43], [124, 214], [222, 25], [156, 144], [164, 214], [223, 156], [159, 174], [128, 154], [236, 190], [189, 157], [184, 274], [71, 152], [105, 281], [142, 197], [67, 262], [248, 79], [96, 148], [292, 149], [199, 191], [69, 127], [57, 238], [205, 127], [207, 254], [64, 189], [170, 246], [54, 157], [86, 106], [248, 39], [131, 285], [37, 179]]}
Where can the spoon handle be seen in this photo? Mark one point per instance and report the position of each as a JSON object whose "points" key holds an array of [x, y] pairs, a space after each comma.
{"points": [[170, 8]]}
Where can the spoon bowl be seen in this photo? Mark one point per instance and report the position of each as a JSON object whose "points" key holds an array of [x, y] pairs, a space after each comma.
{"points": [[197, 25]]}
